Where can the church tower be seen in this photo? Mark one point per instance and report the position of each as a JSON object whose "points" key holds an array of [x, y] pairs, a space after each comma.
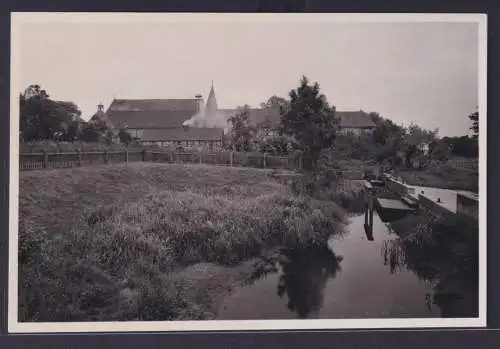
{"points": [[211, 107]]}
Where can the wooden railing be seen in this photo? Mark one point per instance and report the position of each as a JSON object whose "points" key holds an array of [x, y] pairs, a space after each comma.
{"points": [[470, 164], [46, 160]]}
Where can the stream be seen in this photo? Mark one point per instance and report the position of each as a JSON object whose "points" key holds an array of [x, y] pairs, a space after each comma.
{"points": [[352, 277]]}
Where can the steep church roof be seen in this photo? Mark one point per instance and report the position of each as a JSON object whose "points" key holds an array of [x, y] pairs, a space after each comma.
{"points": [[151, 113], [211, 107]]}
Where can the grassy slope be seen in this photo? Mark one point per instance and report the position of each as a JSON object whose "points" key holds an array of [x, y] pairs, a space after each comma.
{"points": [[442, 176], [152, 241]]}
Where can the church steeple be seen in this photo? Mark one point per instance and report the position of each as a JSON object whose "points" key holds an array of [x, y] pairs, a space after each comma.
{"points": [[211, 107]]}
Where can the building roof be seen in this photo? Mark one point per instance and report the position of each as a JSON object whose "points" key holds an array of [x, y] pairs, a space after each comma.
{"points": [[211, 106], [149, 119], [151, 113], [348, 119], [183, 134], [186, 104], [354, 119], [257, 115]]}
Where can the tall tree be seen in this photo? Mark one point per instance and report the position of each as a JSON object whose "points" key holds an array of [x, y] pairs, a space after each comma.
{"points": [[416, 140], [125, 137], [242, 132], [276, 102], [44, 118], [474, 117], [311, 121]]}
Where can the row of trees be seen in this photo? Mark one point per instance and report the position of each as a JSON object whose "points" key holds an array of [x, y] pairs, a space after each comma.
{"points": [[42, 118], [308, 124]]}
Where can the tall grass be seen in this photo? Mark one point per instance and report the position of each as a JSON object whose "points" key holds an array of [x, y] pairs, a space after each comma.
{"points": [[132, 245], [442, 176], [62, 147], [349, 194]]}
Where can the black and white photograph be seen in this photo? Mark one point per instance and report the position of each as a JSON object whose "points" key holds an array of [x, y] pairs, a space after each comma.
{"points": [[237, 172]]}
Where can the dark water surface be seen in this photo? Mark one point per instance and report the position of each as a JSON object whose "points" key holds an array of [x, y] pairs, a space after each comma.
{"points": [[351, 278]]}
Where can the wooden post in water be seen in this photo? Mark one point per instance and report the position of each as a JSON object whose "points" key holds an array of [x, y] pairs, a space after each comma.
{"points": [[79, 157], [370, 209], [265, 164], [45, 159], [366, 207]]}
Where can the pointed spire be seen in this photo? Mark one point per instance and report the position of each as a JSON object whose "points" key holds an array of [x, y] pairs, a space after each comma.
{"points": [[211, 107]]}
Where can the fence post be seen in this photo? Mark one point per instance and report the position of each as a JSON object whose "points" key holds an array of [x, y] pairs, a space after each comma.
{"points": [[105, 156], [265, 164], [78, 158], [126, 155], [144, 155], [201, 156], [231, 158], [45, 159]]}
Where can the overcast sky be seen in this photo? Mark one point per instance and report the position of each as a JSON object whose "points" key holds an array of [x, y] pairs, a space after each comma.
{"points": [[409, 72]]}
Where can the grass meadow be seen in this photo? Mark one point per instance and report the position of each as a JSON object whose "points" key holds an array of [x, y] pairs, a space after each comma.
{"points": [[145, 241], [442, 176]]}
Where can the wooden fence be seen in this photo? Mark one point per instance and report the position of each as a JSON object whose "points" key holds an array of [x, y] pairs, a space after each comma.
{"points": [[46, 160], [470, 164]]}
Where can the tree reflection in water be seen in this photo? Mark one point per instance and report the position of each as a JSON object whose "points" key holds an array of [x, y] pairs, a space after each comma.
{"points": [[443, 254], [304, 274]]}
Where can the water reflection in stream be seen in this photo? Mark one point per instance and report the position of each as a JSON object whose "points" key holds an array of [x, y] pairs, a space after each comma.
{"points": [[350, 278]]}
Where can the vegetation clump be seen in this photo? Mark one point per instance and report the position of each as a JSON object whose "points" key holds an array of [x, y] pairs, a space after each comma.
{"points": [[134, 255]]}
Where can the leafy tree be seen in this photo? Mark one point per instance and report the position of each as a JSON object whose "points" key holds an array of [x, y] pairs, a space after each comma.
{"points": [[311, 121], [440, 150], [474, 117], [276, 102], [415, 141], [96, 130], [242, 132], [386, 130], [90, 133], [124, 137], [73, 132], [42, 118], [463, 146], [279, 145]]}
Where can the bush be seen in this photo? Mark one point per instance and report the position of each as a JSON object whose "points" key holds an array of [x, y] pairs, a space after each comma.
{"points": [[348, 194]]}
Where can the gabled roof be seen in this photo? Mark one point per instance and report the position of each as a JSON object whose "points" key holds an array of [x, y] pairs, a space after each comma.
{"points": [[354, 119], [149, 119], [183, 134], [187, 104], [257, 115], [151, 113]]}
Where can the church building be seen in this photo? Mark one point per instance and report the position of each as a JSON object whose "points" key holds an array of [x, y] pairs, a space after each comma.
{"points": [[192, 123]]}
